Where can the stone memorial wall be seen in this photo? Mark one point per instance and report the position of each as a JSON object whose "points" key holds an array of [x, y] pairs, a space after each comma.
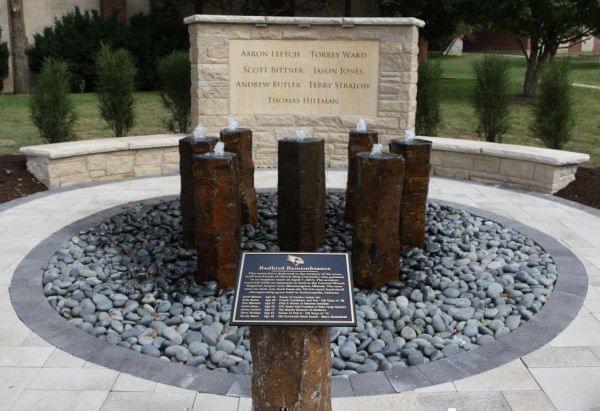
{"points": [[277, 74]]}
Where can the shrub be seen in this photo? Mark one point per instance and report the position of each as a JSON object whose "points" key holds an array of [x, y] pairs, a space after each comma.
{"points": [[116, 84], [553, 112], [76, 38], [492, 98], [175, 83], [428, 117], [52, 110], [3, 61]]}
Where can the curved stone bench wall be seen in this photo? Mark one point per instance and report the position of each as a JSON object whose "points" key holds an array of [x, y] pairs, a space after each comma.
{"points": [[533, 168]]}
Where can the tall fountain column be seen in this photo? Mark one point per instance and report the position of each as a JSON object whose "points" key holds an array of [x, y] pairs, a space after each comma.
{"points": [[239, 142], [360, 139], [188, 148], [416, 186], [375, 240], [301, 194], [218, 216]]}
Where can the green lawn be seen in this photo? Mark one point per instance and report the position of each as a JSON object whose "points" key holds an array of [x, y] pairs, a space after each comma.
{"points": [[459, 119], [17, 129]]}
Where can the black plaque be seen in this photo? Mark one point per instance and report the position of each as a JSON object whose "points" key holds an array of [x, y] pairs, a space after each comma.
{"points": [[294, 289]]}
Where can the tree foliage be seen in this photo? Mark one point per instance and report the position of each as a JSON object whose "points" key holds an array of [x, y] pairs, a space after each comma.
{"points": [[116, 84], [175, 84], [491, 97], [428, 117], [52, 110], [547, 24], [76, 38], [553, 111], [442, 17]]}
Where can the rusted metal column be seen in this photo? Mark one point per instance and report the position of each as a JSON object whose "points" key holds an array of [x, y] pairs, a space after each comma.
{"points": [[359, 141], [218, 217], [301, 194], [188, 147], [414, 194], [291, 368], [239, 142], [375, 240]]}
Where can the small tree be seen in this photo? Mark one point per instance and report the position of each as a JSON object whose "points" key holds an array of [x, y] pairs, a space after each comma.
{"points": [[428, 117], [116, 84], [3, 61], [553, 112], [175, 83], [52, 110], [491, 98], [539, 26]]}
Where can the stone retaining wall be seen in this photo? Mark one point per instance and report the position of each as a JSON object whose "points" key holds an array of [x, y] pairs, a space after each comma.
{"points": [[532, 168], [63, 164], [397, 82]]}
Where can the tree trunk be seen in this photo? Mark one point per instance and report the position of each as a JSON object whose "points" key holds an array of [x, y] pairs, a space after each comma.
{"points": [[19, 47], [531, 77], [423, 48]]}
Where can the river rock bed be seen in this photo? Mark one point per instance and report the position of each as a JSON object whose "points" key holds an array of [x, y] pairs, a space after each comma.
{"points": [[130, 282]]}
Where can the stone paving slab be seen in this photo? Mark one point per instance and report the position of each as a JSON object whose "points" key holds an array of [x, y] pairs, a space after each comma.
{"points": [[30, 383]]}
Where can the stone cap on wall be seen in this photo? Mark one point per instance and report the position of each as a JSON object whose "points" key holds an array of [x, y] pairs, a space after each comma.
{"points": [[516, 152], [305, 21], [102, 145]]}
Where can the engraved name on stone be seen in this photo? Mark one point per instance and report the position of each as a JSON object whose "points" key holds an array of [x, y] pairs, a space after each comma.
{"points": [[304, 76]]}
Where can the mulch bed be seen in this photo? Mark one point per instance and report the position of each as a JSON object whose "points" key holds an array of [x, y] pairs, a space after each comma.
{"points": [[585, 189], [15, 180]]}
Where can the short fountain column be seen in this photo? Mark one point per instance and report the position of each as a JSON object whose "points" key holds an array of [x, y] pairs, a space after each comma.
{"points": [[360, 139], [218, 216], [239, 142], [417, 154], [188, 148], [301, 194], [375, 240]]}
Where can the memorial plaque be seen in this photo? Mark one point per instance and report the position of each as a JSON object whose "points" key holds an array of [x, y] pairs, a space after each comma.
{"points": [[304, 76], [294, 289]]}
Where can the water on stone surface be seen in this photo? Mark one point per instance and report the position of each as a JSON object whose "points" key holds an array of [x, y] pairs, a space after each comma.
{"points": [[130, 282]]}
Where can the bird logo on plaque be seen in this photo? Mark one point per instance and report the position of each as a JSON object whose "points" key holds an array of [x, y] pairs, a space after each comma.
{"points": [[295, 260]]}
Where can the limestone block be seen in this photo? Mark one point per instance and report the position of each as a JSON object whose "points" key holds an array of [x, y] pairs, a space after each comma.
{"points": [[486, 164], [67, 167], [322, 121], [145, 157], [209, 72], [71, 179], [147, 170], [120, 164], [94, 174], [397, 62], [170, 168], [210, 40], [436, 157], [214, 106], [485, 176], [171, 155], [96, 162], [545, 173], [392, 48], [275, 119], [458, 160], [38, 166], [517, 168], [450, 172]]}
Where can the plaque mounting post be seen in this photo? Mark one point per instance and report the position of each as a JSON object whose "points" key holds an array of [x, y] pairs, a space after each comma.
{"points": [[290, 301]]}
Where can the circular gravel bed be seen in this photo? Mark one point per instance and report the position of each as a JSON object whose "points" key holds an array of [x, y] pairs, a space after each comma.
{"points": [[129, 281]]}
